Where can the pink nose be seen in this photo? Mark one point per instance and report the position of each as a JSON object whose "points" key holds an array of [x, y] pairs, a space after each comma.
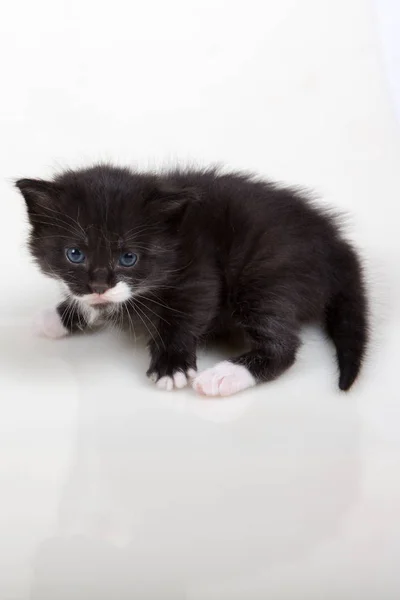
{"points": [[98, 288]]}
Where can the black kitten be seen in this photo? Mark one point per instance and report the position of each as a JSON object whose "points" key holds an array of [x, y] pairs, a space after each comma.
{"points": [[194, 253]]}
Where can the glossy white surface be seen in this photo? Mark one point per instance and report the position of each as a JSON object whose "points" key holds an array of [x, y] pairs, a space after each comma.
{"points": [[111, 488]]}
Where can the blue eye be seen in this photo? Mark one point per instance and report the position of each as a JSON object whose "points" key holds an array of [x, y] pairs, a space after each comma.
{"points": [[75, 255], [127, 259]]}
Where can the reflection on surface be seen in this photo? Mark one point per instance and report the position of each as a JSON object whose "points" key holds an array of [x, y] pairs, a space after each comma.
{"points": [[157, 499]]}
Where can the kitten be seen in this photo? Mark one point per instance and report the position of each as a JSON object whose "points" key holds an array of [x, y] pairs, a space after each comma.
{"points": [[195, 253]]}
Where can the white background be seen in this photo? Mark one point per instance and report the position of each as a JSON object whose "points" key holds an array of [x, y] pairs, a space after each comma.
{"points": [[110, 489], [387, 13]]}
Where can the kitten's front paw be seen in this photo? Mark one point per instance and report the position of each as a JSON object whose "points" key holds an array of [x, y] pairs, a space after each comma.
{"points": [[224, 379], [177, 380], [48, 324]]}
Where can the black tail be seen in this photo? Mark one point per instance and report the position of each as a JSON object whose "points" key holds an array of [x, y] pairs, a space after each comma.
{"points": [[346, 316]]}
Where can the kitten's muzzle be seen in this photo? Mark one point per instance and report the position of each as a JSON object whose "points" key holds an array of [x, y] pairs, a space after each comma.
{"points": [[96, 299], [121, 292], [98, 293], [98, 288]]}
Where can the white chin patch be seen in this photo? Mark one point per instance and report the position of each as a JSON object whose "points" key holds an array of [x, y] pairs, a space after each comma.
{"points": [[48, 324], [224, 379]]}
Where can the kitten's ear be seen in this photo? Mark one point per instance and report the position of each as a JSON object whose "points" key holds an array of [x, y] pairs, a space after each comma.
{"points": [[173, 199], [38, 194]]}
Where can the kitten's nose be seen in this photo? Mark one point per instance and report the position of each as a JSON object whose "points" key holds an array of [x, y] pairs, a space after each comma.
{"points": [[98, 288]]}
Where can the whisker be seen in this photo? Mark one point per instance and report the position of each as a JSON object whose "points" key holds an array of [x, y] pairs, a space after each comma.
{"points": [[64, 226], [47, 237], [135, 299], [140, 312], [130, 320], [115, 321], [74, 221], [147, 226], [161, 304], [151, 335], [58, 222]]}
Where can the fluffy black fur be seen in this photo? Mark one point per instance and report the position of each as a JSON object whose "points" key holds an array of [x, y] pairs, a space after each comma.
{"points": [[216, 252]]}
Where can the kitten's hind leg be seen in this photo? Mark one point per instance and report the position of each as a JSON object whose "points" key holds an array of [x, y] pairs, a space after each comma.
{"points": [[274, 345], [58, 322]]}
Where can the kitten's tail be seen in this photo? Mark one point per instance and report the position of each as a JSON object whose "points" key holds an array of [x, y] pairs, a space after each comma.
{"points": [[347, 316]]}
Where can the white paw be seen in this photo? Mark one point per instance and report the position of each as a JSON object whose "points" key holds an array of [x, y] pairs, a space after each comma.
{"points": [[224, 379], [178, 380], [48, 324]]}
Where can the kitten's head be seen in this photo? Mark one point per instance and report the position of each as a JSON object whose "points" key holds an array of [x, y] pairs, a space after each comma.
{"points": [[105, 232]]}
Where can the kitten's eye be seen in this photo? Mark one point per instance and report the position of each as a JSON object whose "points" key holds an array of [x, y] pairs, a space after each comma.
{"points": [[75, 255], [127, 259]]}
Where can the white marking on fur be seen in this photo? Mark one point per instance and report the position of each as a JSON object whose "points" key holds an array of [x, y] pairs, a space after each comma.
{"points": [[121, 292], [224, 379], [177, 381], [91, 314], [180, 380], [165, 383], [192, 373], [48, 324]]}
